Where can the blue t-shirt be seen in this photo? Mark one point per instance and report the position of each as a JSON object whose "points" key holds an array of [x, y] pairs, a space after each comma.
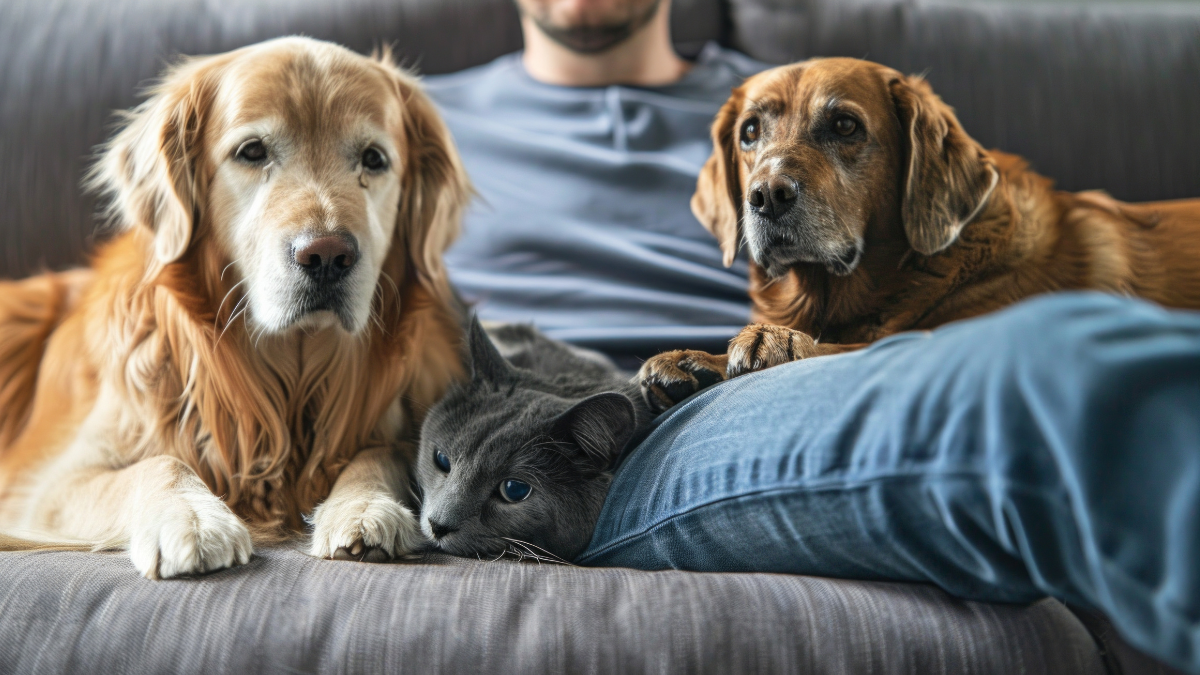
{"points": [[582, 225]]}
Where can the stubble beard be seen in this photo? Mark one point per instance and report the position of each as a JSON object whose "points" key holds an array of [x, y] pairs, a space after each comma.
{"points": [[586, 39]]}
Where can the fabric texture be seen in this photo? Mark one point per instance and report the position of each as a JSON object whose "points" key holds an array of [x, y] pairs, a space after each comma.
{"points": [[582, 225], [1050, 448], [288, 613]]}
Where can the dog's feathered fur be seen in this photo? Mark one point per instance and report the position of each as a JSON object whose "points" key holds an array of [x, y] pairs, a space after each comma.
{"points": [[148, 363], [905, 222]]}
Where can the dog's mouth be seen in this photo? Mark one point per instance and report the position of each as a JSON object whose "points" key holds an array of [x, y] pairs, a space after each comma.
{"points": [[777, 250], [322, 306]]}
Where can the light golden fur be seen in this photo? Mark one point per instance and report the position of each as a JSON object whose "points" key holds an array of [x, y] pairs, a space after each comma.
{"points": [[905, 223], [174, 393]]}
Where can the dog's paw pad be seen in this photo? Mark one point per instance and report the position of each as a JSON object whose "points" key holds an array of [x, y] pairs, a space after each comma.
{"points": [[668, 378]]}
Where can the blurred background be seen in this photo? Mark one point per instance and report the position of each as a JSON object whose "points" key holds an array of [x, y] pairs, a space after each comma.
{"points": [[1096, 94]]}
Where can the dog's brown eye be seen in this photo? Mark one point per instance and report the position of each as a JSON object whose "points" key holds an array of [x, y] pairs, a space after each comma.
{"points": [[373, 160], [252, 151], [749, 131], [845, 125]]}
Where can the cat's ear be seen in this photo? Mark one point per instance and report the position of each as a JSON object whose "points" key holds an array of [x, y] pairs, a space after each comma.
{"points": [[600, 425], [487, 365]]}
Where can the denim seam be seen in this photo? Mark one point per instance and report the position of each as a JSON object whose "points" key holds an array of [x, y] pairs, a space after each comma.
{"points": [[815, 487]]}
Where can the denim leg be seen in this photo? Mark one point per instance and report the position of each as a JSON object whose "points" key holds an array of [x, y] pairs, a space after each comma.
{"points": [[1051, 448]]}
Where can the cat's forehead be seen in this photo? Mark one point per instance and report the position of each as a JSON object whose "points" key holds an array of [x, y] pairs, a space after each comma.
{"points": [[487, 422]]}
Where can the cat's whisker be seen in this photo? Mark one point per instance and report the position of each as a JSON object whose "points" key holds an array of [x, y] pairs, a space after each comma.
{"points": [[541, 551], [530, 554], [537, 551], [517, 554]]}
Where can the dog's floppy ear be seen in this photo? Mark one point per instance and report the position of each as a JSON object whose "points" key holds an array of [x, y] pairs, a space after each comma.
{"points": [[717, 202], [434, 188], [149, 171], [947, 178]]}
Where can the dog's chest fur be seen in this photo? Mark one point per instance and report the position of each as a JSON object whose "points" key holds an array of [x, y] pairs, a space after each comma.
{"points": [[268, 422]]}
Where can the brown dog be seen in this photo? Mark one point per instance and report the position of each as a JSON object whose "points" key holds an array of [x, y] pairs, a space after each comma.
{"points": [[867, 210], [270, 319]]}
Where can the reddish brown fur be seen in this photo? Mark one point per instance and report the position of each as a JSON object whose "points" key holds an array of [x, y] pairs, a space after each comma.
{"points": [[904, 189]]}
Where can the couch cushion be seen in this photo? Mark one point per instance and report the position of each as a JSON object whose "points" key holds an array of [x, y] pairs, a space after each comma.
{"points": [[1096, 95], [286, 612]]}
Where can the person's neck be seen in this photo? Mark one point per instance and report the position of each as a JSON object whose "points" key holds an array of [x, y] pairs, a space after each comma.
{"points": [[645, 59]]}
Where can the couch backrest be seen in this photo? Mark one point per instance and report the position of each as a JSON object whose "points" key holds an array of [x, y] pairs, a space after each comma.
{"points": [[1096, 95]]}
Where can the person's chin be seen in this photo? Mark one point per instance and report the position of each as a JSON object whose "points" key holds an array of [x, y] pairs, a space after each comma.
{"points": [[596, 39], [590, 39]]}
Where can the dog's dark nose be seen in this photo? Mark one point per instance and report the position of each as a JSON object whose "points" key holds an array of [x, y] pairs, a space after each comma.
{"points": [[326, 258], [772, 197], [439, 530]]}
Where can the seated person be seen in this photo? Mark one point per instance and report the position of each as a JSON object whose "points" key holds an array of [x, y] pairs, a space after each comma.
{"points": [[585, 150], [1052, 448]]}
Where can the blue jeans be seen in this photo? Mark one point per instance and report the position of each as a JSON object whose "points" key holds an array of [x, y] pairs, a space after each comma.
{"points": [[1049, 449]]}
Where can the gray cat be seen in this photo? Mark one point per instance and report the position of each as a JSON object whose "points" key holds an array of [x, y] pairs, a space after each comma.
{"points": [[519, 458]]}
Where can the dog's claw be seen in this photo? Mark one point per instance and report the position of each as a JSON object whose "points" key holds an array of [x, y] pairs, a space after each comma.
{"points": [[761, 346], [671, 377]]}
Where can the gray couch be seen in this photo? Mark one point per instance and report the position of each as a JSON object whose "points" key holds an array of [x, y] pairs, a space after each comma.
{"points": [[1096, 95]]}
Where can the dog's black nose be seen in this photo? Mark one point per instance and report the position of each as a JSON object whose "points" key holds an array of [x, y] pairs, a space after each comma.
{"points": [[772, 197], [325, 258], [439, 530]]}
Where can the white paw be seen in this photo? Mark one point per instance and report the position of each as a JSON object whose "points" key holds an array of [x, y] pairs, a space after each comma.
{"points": [[372, 528], [190, 532]]}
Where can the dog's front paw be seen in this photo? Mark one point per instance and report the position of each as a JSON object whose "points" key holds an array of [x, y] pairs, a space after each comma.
{"points": [[670, 377], [191, 532], [372, 528], [761, 345]]}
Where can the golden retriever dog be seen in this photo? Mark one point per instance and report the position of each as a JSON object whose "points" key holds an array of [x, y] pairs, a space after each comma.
{"points": [[267, 323], [867, 210]]}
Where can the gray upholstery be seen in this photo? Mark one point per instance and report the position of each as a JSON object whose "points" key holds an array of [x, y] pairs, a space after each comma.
{"points": [[287, 613]]}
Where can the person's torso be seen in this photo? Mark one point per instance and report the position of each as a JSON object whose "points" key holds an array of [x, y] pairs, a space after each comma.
{"points": [[582, 225]]}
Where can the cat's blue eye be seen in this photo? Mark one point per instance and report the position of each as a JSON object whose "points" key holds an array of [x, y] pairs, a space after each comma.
{"points": [[442, 461], [514, 490]]}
